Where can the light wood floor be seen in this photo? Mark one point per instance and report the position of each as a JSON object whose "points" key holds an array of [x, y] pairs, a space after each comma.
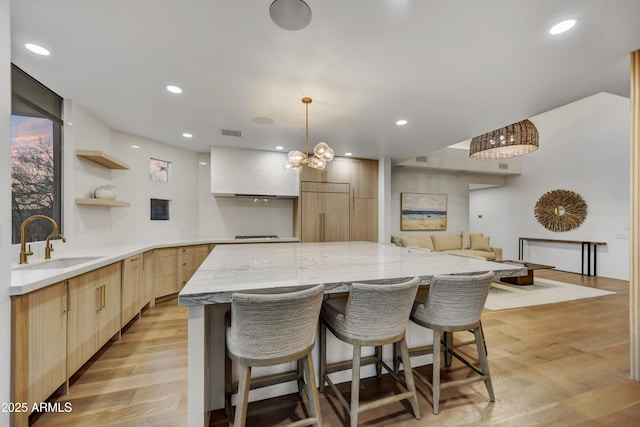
{"points": [[563, 364]]}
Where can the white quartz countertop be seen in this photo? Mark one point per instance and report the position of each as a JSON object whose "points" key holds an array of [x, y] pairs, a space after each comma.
{"points": [[234, 268], [25, 280]]}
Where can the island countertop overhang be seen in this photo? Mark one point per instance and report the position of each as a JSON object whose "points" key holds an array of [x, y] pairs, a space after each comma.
{"points": [[288, 266]]}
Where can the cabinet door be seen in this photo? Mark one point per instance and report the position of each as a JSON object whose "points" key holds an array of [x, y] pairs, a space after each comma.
{"points": [[335, 221], [311, 217], [110, 311], [166, 272], [83, 320], [364, 178], [312, 175], [145, 294], [132, 283], [364, 219], [39, 346], [338, 170]]}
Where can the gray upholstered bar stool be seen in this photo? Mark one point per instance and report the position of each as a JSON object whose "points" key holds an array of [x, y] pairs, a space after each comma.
{"points": [[270, 329], [454, 303], [371, 315]]}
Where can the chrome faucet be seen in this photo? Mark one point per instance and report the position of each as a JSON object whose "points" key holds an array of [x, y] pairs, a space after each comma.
{"points": [[24, 253]]}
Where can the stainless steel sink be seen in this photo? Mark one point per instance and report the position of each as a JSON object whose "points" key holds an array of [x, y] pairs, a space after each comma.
{"points": [[58, 263]]}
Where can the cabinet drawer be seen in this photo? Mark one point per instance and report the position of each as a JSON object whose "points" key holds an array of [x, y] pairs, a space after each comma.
{"points": [[165, 252]]}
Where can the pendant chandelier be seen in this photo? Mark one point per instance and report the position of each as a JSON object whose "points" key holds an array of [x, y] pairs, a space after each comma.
{"points": [[510, 141], [322, 153]]}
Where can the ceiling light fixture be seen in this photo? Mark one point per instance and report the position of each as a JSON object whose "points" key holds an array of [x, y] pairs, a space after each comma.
{"points": [[348, 154], [510, 141], [401, 122], [322, 153], [37, 49], [563, 26], [174, 89], [279, 147], [187, 135], [290, 15]]}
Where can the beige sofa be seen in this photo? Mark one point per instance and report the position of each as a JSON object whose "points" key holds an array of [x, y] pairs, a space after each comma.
{"points": [[468, 244]]}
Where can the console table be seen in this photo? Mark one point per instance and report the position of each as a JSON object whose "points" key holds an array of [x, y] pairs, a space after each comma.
{"points": [[585, 244]]}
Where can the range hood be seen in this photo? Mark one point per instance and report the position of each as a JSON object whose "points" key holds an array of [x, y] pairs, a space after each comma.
{"points": [[256, 174]]}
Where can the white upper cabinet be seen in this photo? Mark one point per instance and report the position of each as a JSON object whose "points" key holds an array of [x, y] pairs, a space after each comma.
{"points": [[239, 172]]}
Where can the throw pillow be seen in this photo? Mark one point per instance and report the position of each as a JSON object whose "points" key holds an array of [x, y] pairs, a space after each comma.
{"points": [[466, 240], [425, 242], [446, 242], [480, 243], [409, 242]]}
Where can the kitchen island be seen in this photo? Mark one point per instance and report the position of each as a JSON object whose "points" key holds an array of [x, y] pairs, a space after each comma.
{"points": [[286, 267]]}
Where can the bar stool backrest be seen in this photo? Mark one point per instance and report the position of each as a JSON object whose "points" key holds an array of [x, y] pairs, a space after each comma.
{"points": [[269, 326], [379, 311], [456, 300]]}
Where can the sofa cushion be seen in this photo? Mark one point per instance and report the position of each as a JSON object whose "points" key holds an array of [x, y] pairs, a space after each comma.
{"points": [[466, 239], [480, 243], [409, 241], [425, 242], [445, 242]]}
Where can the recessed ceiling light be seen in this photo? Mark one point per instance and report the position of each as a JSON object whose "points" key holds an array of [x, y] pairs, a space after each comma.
{"points": [[401, 122], [187, 135], [174, 89], [37, 49], [279, 147], [348, 154], [135, 146], [203, 163], [563, 26]]}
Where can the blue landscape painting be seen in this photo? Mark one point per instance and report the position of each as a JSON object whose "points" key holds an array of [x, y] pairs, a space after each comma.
{"points": [[423, 211]]}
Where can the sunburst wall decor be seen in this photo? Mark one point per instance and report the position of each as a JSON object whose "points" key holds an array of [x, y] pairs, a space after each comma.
{"points": [[560, 210]]}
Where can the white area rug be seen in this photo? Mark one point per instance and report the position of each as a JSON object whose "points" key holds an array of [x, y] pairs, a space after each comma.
{"points": [[503, 296]]}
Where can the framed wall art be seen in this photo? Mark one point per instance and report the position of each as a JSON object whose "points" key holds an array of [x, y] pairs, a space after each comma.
{"points": [[420, 211]]}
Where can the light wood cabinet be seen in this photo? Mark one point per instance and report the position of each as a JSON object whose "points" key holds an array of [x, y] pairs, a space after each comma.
{"points": [[175, 266], [364, 179], [94, 313], [325, 214], [134, 293], [39, 344], [337, 170], [323, 217], [364, 220]]}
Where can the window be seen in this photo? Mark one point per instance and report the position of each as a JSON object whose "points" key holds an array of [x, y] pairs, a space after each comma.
{"points": [[36, 164]]}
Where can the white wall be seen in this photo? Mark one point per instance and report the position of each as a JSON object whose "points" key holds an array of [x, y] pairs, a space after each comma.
{"points": [[584, 147], [135, 186], [226, 217], [456, 187], [5, 207]]}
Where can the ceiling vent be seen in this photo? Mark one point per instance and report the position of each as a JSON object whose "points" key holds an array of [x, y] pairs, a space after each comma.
{"points": [[422, 159], [230, 132], [503, 165]]}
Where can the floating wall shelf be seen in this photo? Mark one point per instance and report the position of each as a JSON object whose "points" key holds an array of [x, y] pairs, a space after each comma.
{"points": [[102, 158], [102, 202]]}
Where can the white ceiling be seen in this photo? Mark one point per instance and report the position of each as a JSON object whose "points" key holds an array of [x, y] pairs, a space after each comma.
{"points": [[452, 68]]}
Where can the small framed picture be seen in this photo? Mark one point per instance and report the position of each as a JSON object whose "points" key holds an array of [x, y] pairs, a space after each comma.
{"points": [[159, 210], [159, 170]]}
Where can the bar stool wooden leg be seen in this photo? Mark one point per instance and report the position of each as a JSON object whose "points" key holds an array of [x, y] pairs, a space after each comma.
{"points": [[323, 355], [310, 380], [436, 371], [378, 364], [448, 345], [408, 376], [484, 363], [355, 385], [244, 381]]}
